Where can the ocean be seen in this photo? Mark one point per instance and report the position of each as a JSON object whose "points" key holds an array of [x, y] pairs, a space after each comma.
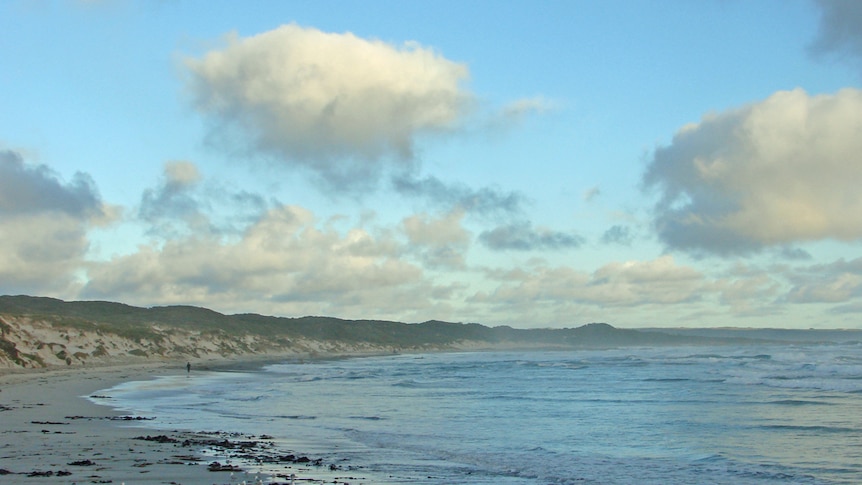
{"points": [[759, 414]]}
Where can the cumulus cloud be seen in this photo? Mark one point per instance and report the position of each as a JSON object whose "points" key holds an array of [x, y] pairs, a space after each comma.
{"points": [[343, 107], [777, 172], [840, 31], [441, 242], [283, 264], [43, 226], [522, 236]]}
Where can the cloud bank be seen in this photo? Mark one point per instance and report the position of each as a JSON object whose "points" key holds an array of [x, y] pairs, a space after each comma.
{"points": [[342, 107], [283, 263], [784, 170], [837, 282], [43, 225], [623, 284]]}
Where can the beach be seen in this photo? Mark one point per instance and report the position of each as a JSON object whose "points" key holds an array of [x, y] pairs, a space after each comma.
{"points": [[50, 432], [768, 413]]}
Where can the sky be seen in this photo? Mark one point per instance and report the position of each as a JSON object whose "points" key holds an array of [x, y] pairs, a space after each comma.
{"points": [[532, 164]]}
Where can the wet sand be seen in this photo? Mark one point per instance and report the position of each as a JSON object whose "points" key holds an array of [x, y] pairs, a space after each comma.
{"points": [[51, 433]]}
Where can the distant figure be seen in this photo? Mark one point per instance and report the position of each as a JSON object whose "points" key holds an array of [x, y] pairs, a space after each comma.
{"points": [[188, 367]]}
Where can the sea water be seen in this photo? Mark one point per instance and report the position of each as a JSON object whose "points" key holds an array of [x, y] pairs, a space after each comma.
{"points": [[757, 414]]}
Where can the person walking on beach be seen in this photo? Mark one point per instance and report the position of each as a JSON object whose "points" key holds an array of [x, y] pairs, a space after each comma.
{"points": [[188, 367]]}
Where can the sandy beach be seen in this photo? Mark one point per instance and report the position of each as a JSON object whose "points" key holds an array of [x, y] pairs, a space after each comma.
{"points": [[51, 433]]}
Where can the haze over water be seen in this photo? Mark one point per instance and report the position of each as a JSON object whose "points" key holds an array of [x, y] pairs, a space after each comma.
{"points": [[751, 414]]}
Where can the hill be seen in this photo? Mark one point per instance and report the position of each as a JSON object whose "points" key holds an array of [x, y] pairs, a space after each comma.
{"points": [[42, 332]]}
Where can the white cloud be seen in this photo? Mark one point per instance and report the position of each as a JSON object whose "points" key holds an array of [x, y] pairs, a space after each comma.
{"points": [[644, 282], [784, 170], [43, 226], [282, 264], [441, 242], [422, 229], [181, 172], [749, 291], [173, 199], [837, 282], [338, 105], [626, 284], [40, 253]]}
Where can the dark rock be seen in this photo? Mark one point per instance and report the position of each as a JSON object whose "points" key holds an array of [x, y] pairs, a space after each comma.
{"points": [[82, 463], [158, 439], [218, 467]]}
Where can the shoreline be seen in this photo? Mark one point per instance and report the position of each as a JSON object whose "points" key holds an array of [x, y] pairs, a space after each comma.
{"points": [[51, 432]]}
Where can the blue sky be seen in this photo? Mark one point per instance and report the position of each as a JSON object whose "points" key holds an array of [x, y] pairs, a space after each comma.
{"points": [[534, 164]]}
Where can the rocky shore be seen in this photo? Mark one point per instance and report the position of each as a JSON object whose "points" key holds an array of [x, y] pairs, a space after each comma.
{"points": [[52, 432]]}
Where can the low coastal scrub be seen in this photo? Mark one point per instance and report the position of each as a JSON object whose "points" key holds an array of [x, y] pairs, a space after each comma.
{"points": [[42, 332]]}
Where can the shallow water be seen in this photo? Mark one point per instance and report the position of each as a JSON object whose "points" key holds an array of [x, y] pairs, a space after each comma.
{"points": [[753, 414]]}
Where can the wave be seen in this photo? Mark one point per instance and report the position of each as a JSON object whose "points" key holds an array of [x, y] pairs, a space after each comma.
{"points": [[808, 429], [667, 379], [799, 402], [720, 415], [228, 397]]}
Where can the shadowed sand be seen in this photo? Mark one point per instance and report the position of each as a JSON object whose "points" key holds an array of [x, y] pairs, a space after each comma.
{"points": [[51, 433]]}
